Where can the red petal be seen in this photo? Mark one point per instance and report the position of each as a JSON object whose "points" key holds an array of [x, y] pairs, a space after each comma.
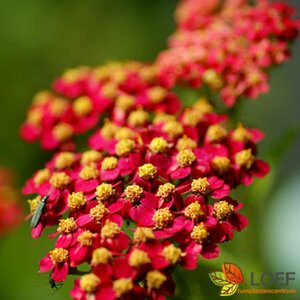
{"points": [[60, 272], [261, 168], [110, 174], [181, 173], [210, 251], [86, 185], [83, 220], [46, 264], [221, 193], [37, 231], [64, 241], [238, 221], [246, 178]]}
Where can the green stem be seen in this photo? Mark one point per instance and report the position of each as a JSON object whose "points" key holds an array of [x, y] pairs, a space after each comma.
{"points": [[75, 271]]}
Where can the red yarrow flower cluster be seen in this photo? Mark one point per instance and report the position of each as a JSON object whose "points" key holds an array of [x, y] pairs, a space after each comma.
{"points": [[154, 189], [228, 46], [81, 97], [143, 200]]}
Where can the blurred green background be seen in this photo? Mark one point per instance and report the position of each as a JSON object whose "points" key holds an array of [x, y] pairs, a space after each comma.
{"points": [[40, 39]]}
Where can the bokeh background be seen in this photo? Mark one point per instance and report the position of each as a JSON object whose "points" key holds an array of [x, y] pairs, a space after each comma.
{"points": [[40, 39]]}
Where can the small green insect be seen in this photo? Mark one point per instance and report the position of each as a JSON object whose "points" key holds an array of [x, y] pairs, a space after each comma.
{"points": [[54, 284], [38, 212]]}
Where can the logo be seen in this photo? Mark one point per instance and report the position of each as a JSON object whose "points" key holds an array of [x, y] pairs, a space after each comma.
{"points": [[229, 279], [232, 276]]}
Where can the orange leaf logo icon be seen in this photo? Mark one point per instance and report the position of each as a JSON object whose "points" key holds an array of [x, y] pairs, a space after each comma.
{"points": [[232, 273]]}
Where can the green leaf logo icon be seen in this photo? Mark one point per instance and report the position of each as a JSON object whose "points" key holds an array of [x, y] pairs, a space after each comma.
{"points": [[229, 289], [218, 278]]}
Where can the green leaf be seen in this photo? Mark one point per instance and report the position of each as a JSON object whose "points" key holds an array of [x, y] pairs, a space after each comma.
{"points": [[218, 278], [284, 143], [229, 289]]}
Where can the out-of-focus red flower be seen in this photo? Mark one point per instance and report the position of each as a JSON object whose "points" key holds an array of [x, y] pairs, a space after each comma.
{"points": [[228, 46], [10, 209]]}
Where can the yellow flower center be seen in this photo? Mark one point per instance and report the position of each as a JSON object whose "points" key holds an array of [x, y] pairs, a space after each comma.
{"points": [[108, 130], [118, 76], [58, 106], [194, 211], [104, 191], [86, 238], [82, 106], [110, 230], [161, 117], [34, 116], [137, 118], [213, 79], [124, 147], [191, 117], [165, 190], [98, 212], [215, 133], [223, 210], [33, 204], [203, 106], [41, 97], [185, 158], [254, 78], [133, 192], [62, 132], [66, 225], [90, 156], [155, 279], [125, 102], [42, 176], [109, 90], [221, 164], [173, 128], [157, 94], [172, 254], [64, 160], [159, 145], [185, 143], [76, 200], [122, 286], [74, 74], [71, 75], [200, 186], [109, 163], [138, 258], [59, 180], [143, 234], [101, 256], [241, 134], [245, 158], [148, 73], [199, 233], [147, 171], [162, 218], [89, 282], [89, 172], [124, 133], [59, 255]]}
